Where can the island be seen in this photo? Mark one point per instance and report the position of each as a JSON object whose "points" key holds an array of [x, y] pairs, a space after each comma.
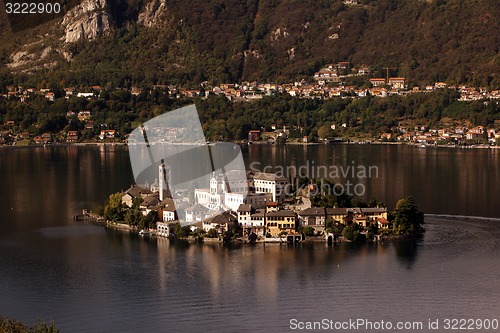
{"points": [[275, 210]]}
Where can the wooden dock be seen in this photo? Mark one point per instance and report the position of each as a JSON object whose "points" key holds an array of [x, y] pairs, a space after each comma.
{"points": [[89, 217]]}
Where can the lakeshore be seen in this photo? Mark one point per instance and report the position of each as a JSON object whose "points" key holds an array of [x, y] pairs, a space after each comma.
{"points": [[431, 219], [263, 143]]}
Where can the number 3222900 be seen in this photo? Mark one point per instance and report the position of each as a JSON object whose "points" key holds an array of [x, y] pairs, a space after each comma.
{"points": [[32, 8]]}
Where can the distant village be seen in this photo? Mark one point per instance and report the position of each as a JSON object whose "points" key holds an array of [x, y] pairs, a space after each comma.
{"points": [[326, 83], [260, 207]]}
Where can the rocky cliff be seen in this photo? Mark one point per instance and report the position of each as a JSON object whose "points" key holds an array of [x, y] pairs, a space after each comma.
{"points": [[87, 20], [152, 13]]}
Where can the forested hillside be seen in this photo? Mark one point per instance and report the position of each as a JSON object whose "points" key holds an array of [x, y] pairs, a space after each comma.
{"points": [[188, 42]]}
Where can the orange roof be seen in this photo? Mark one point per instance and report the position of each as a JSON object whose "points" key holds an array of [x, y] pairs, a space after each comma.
{"points": [[382, 220]]}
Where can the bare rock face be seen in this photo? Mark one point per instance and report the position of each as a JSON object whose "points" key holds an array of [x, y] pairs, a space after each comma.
{"points": [[88, 20], [152, 12]]}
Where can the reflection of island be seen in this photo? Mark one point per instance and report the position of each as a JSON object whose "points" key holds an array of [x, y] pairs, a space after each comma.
{"points": [[406, 250], [262, 268]]}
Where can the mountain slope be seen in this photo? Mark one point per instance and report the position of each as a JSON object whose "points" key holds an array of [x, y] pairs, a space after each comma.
{"points": [[281, 40]]}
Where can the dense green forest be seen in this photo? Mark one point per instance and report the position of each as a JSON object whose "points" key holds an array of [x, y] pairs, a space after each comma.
{"points": [[280, 41], [225, 120]]}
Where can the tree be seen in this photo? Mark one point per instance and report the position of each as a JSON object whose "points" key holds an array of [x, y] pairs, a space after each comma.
{"points": [[372, 230], [136, 202], [150, 220], [212, 233], [323, 132], [133, 217], [13, 325], [351, 232], [329, 225], [308, 231], [113, 209], [98, 209], [407, 219], [182, 232]]}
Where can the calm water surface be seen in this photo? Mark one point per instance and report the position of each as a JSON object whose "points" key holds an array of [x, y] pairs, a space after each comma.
{"points": [[90, 279]]}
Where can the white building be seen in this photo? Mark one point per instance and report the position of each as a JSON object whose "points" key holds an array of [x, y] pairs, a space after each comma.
{"points": [[230, 194], [263, 182], [196, 213], [250, 217], [168, 210], [162, 229]]}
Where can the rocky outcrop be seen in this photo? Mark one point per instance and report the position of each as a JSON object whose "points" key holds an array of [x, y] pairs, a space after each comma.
{"points": [[152, 13], [88, 20]]}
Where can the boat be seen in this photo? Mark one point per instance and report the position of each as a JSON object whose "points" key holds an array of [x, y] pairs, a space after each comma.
{"points": [[143, 233]]}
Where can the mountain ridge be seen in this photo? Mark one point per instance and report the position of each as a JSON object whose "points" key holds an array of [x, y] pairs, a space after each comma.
{"points": [[189, 42]]}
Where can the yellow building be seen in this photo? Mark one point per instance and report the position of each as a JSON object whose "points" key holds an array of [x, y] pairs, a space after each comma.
{"points": [[280, 220]]}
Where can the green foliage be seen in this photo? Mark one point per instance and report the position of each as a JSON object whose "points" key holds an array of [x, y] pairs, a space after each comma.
{"points": [[98, 209], [426, 40], [227, 237], [351, 232], [212, 233], [338, 229], [113, 209], [406, 218], [308, 231], [330, 196], [182, 232], [324, 132], [14, 326], [329, 225], [133, 217], [137, 202], [372, 230], [252, 238], [224, 120], [149, 221]]}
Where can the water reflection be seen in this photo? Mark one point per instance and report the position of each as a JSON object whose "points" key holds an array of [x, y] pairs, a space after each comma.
{"points": [[260, 270], [406, 251]]}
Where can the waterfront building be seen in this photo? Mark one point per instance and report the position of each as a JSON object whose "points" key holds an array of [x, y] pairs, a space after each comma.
{"points": [[244, 215], [314, 217], [374, 212], [280, 221], [135, 191], [220, 222], [163, 229]]}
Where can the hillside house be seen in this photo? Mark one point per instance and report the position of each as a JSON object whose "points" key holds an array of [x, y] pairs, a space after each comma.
{"points": [[377, 82]]}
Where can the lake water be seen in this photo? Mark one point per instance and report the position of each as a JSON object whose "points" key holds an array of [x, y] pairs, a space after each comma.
{"points": [[91, 279]]}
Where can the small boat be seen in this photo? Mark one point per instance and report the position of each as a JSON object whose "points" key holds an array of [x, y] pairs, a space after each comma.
{"points": [[143, 233]]}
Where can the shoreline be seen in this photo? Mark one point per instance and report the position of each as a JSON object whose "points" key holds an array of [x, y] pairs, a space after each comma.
{"points": [[469, 218], [291, 143], [430, 219]]}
